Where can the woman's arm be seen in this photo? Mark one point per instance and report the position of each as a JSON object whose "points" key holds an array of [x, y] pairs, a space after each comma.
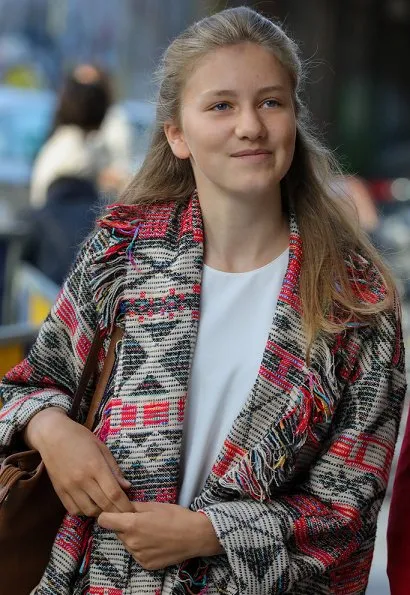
{"points": [[322, 534], [398, 530], [49, 375], [38, 392]]}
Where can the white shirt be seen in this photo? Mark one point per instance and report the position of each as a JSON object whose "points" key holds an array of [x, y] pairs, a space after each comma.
{"points": [[236, 316], [68, 152]]}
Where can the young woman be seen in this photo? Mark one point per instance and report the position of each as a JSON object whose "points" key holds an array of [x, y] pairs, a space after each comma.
{"points": [[246, 436]]}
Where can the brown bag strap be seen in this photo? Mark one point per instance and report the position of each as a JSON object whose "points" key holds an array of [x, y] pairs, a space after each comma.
{"points": [[87, 373], [104, 377], [89, 370]]}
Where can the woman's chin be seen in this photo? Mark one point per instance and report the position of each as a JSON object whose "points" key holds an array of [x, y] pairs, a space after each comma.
{"points": [[254, 190]]}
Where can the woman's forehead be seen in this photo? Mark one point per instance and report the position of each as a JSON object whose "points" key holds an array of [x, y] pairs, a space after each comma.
{"points": [[236, 67]]}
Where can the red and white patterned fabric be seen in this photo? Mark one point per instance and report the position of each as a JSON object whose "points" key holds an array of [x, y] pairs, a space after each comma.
{"points": [[295, 491]]}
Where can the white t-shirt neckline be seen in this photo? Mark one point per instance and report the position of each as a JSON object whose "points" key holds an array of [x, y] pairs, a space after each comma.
{"points": [[236, 315], [250, 272]]}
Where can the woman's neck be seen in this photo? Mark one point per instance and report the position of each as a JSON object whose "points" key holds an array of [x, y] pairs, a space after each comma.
{"points": [[243, 235]]}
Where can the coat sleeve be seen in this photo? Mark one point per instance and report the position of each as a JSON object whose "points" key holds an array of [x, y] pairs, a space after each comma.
{"points": [[49, 375], [319, 537], [398, 530]]}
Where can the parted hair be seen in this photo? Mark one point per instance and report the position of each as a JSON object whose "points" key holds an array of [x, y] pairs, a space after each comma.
{"points": [[329, 233]]}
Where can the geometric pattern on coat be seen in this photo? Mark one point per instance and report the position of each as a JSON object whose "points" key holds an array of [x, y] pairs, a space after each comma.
{"points": [[295, 491]]}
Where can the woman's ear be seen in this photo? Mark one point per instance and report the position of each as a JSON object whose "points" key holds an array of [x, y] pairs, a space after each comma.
{"points": [[176, 140]]}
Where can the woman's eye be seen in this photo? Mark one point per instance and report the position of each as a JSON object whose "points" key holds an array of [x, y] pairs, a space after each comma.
{"points": [[220, 107], [271, 103]]}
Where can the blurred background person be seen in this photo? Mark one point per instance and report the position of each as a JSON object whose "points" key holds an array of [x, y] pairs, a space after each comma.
{"points": [[64, 188], [88, 152], [390, 233], [72, 150], [57, 229]]}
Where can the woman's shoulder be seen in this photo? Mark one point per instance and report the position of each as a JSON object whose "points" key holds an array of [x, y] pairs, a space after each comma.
{"points": [[107, 251], [123, 216], [123, 219], [120, 224]]}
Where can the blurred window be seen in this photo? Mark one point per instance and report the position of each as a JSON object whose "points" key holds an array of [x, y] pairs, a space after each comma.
{"points": [[25, 118]]}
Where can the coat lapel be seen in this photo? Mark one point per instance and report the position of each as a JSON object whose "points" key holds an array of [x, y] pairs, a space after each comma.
{"points": [[260, 450], [160, 309]]}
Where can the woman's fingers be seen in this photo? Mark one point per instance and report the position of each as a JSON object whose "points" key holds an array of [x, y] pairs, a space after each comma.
{"points": [[98, 490], [93, 489], [118, 500], [79, 503], [83, 468], [120, 523], [85, 505], [97, 494], [91, 500], [68, 502]]}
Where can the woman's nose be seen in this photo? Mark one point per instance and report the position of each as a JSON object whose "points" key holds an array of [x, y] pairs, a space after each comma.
{"points": [[250, 125]]}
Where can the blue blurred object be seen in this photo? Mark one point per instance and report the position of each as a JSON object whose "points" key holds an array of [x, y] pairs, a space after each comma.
{"points": [[11, 244], [25, 122], [25, 117], [140, 115]]}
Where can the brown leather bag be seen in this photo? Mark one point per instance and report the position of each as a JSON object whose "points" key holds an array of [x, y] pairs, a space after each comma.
{"points": [[30, 510]]}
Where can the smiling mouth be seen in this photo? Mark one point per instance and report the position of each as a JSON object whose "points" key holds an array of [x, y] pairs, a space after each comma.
{"points": [[254, 157], [251, 153]]}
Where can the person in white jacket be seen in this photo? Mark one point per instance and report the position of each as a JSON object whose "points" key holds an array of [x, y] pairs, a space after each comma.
{"points": [[73, 148]]}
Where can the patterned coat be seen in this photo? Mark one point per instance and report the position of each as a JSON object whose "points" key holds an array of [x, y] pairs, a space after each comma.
{"points": [[295, 491]]}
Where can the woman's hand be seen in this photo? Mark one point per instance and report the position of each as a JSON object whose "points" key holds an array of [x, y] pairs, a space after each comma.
{"points": [[83, 471], [159, 535]]}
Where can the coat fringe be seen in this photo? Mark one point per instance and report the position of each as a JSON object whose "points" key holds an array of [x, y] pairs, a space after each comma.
{"points": [[110, 266]]}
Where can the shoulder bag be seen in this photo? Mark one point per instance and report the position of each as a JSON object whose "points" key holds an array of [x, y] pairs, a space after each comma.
{"points": [[30, 510]]}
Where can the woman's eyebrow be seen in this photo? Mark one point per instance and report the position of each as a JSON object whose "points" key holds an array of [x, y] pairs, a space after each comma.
{"points": [[232, 93]]}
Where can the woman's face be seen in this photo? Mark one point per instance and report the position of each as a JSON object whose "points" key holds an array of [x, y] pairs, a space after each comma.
{"points": [[237, 123]]}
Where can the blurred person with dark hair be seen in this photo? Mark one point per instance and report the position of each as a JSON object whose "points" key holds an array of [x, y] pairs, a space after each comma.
{"points": [[84, 99], [64, 190], [72, 151]]}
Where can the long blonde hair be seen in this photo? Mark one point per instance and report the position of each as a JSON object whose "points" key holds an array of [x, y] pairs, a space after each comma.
{"points": [[328, 233]]}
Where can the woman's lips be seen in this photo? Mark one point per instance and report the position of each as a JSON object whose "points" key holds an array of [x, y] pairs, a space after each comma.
{"points": [[253, 156]]}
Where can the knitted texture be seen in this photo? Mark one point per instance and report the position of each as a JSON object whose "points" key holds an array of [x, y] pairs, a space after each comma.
{"points": [[295, 491]]}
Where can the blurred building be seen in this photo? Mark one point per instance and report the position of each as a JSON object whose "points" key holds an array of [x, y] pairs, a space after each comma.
{"points": [[39, 39]]}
